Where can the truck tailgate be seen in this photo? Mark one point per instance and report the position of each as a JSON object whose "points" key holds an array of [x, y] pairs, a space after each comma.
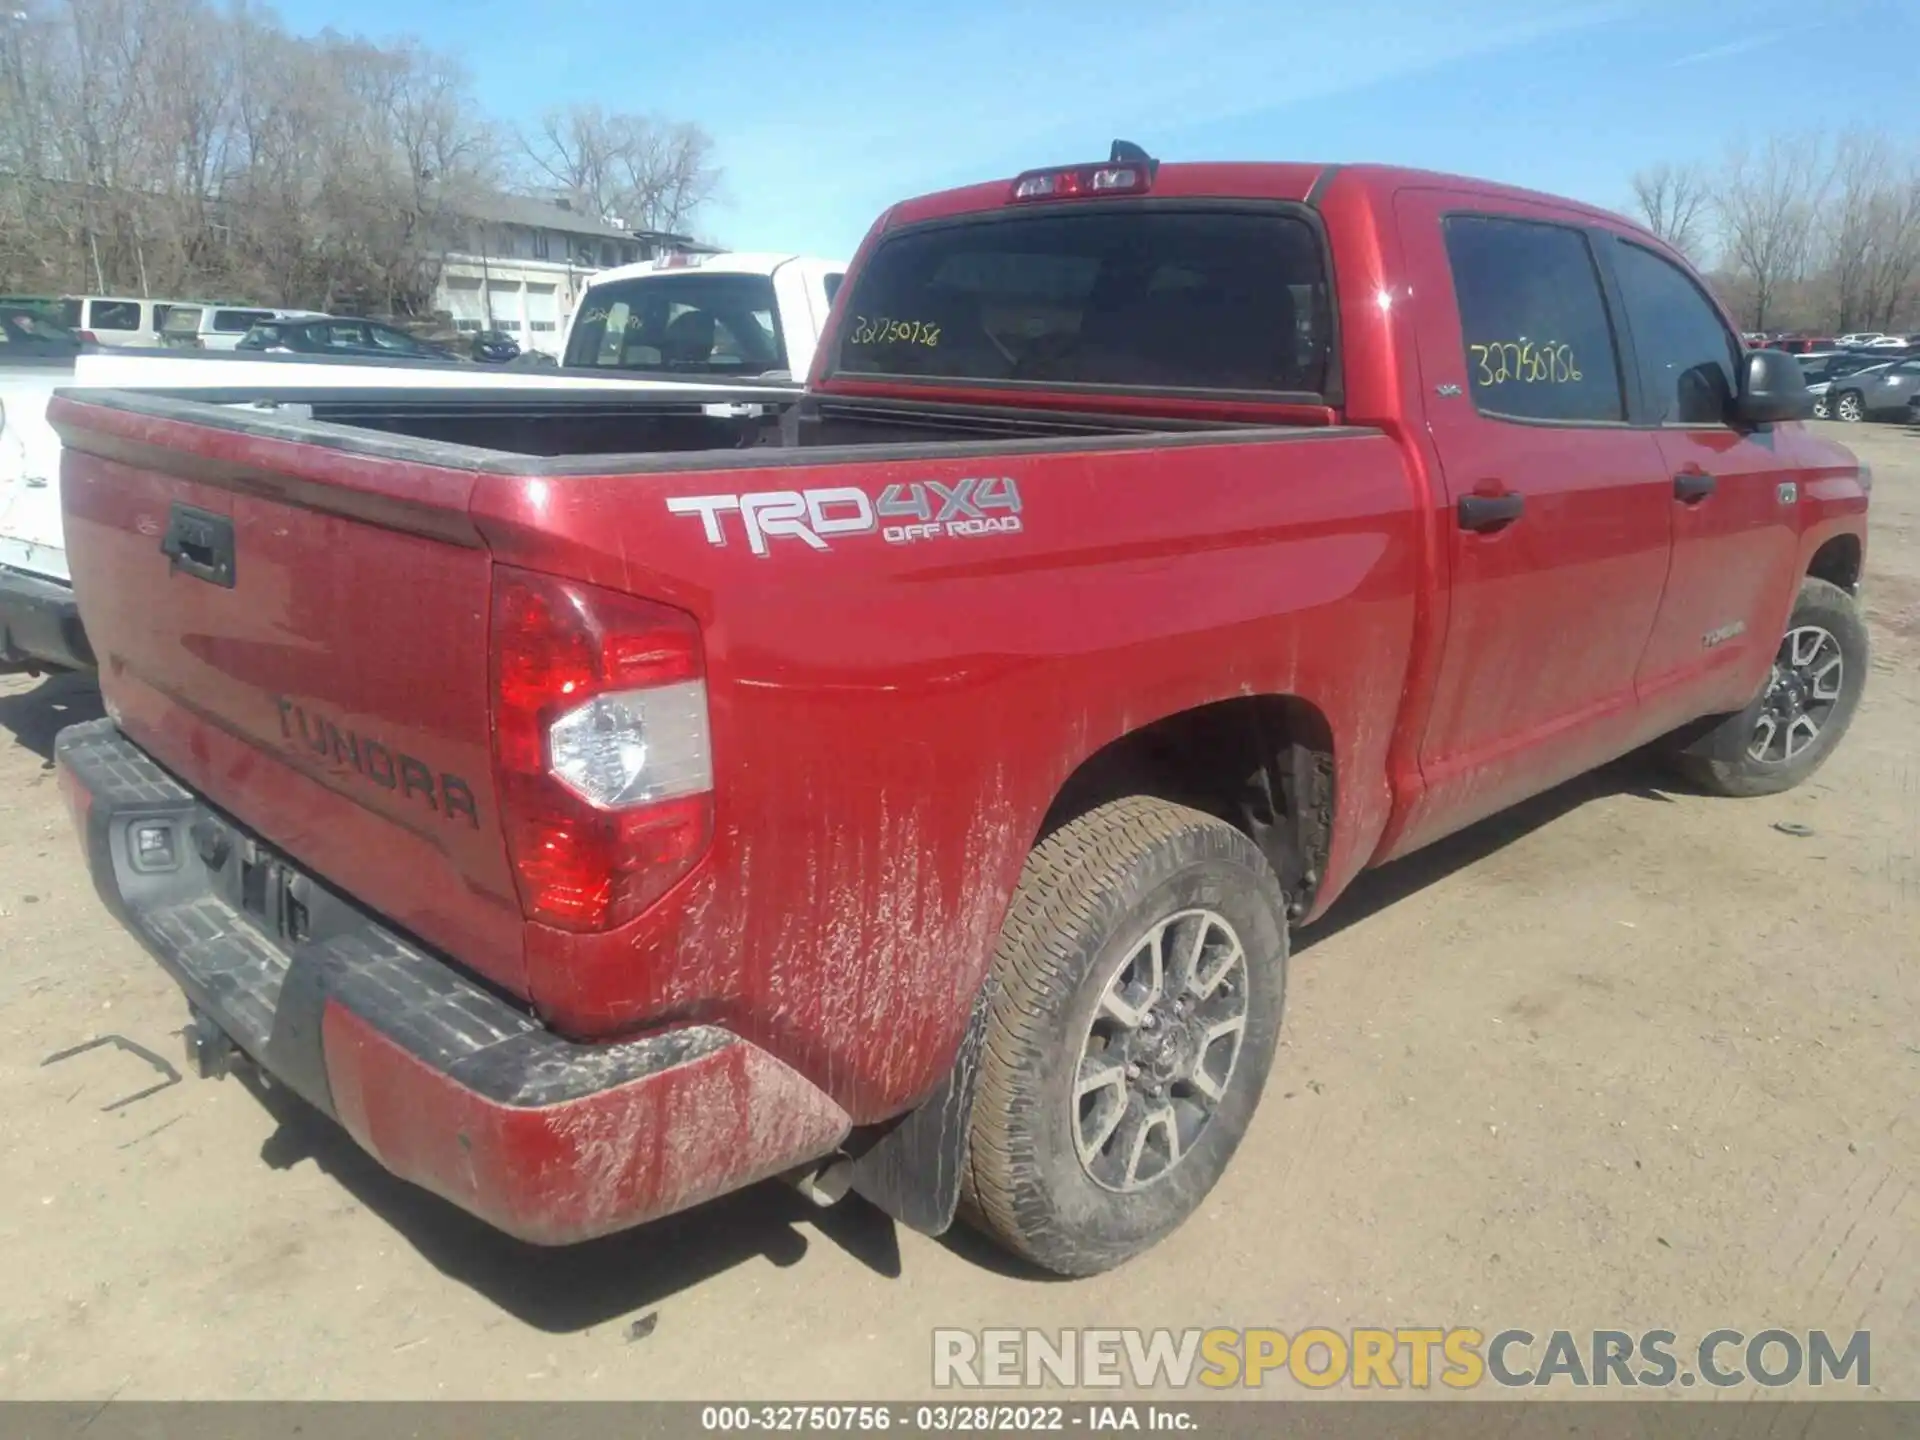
{"points": [[300, 634]]}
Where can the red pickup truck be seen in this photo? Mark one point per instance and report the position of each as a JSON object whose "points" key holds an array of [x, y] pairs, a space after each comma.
{"points": [[600, 804]]}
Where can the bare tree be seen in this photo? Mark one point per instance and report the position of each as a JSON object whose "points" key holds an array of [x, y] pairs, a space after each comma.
{"points": [[1766, 205], [1674, 201], [646, 172]]}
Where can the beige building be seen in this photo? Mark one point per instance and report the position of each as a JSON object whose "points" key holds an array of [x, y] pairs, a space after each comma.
{"points": [[519, 264]]}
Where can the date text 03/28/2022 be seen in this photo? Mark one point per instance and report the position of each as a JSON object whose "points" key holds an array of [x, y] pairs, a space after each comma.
{"points": [[1095, 1418]]}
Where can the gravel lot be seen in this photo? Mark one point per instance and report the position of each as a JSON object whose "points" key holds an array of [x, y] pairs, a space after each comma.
{"points": [[1625, 1057]]}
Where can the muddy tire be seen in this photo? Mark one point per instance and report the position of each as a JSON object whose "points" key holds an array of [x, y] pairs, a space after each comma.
{"points": [[1800, 715], [1140, 978]]}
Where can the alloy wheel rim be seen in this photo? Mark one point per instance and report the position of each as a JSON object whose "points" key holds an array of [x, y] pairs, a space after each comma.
{"points": [[1802, 691], [1161, 1050]]}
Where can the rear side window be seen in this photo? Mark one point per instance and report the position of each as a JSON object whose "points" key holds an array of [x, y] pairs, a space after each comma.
{"points": [[1533, 320], [181, 320], [115, 315], [238, 322], [1119, 297], [1686, 355]]}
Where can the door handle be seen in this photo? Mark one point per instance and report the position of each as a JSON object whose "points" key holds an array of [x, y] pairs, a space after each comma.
{"points": [[1490, 512], [1692, 486]]}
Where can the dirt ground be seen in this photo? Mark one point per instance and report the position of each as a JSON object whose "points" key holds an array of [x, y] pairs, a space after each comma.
{"points": [[1626, 1057]]}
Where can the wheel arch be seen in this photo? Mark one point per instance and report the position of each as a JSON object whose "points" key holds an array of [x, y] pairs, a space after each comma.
{"points": [[1264, 763]]}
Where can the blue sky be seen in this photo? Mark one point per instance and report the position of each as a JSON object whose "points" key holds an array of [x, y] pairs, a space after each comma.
{"points": [[825, 114]]}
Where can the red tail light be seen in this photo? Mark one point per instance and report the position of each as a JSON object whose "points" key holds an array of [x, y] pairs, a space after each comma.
{"points": [[600, 745]]}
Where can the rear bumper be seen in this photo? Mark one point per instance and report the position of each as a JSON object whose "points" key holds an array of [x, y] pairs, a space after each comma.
{"points": [[442, 1081], [40, 623]]}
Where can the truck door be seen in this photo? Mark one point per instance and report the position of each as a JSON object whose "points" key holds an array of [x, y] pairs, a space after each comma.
{"points": [[1734, 500], [1556, 516]]}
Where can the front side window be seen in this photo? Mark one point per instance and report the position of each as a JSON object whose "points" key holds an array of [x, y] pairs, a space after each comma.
{"points": [[395, 340], [1687, 357], [1534, 321], [1117, 296]]}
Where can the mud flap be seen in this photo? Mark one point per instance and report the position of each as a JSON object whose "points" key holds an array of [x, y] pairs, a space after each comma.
{"points": [[913, 1171]]}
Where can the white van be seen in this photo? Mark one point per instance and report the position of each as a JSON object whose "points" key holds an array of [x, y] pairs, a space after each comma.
{"points": [[124, 320], [219, 327]]}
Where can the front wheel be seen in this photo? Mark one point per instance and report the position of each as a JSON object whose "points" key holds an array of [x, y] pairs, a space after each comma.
{"points": [[1809, 700], [1138, 989], [1850, 408], [1822, 408]]}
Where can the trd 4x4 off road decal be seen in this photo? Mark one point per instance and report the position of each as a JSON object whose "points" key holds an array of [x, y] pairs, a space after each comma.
{"points": [[901, 514]]}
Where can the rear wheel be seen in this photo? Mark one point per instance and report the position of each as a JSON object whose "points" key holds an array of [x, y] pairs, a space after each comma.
{"points": [[1850, 408], [1822, 408], [1812, 691], [1140, 979]]}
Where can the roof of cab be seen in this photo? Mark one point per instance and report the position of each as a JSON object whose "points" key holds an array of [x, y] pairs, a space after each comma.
{"points": [[1247, 180], [725, 262]]}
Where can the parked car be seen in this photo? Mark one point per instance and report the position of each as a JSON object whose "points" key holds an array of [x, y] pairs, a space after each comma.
{"points": [[494, 347], [26, 334], [335, 335], [1822, 370], [917, 791], [1804, 344], [219, 327], [1889, 342], [1881, 392], [1857, 338], [117, 320]]}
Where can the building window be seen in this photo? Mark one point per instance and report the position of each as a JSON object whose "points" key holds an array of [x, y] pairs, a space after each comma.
{"points": [[540, 327], [629, 254], [607, 256], [539, 244]]}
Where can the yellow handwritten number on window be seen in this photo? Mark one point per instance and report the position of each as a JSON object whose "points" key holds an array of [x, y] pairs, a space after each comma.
{"points": [[1524, 362], [882, 331]]}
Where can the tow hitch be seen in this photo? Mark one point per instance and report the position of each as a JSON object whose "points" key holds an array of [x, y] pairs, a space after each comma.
{"points": [[211, 1055]]}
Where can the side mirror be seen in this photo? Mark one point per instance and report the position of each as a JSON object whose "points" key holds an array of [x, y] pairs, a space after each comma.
{"points": [[1773, 387]]}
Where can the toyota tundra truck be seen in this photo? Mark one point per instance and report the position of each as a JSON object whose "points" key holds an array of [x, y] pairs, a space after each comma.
{"points": [[602, 806]]}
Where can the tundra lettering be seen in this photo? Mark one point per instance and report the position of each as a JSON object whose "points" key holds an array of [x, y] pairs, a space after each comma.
{"points": [[447, 794]]}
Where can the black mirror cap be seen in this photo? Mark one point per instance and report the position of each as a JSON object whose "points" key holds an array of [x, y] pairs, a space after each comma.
{"points": [[1773, 388]]}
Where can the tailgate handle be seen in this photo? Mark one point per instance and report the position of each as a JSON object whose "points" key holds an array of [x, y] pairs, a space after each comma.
{"points": [[200, 543]]}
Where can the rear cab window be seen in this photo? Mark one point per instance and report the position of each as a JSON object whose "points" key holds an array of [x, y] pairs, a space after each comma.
{"points": [[713, 324], [1534, 321], [1110, 296]]}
